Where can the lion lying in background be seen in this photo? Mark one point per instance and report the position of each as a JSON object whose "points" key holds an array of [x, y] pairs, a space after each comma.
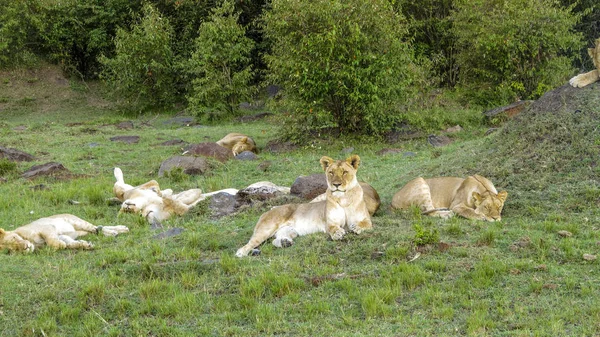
{"points": [[582, 80], [238, 143], [473, 198], [57, 231], [344, 207]]}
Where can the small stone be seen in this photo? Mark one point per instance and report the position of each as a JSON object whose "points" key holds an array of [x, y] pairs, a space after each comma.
{"points": [[565, 234], [589, 257]]}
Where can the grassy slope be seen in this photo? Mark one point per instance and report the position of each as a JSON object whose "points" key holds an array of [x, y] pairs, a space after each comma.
{"points": [[517, 277]]}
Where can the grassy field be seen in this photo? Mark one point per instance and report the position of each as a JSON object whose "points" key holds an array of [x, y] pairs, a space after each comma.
{"points": [[517, 277]]}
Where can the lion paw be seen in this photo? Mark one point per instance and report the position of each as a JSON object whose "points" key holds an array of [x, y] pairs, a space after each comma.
{"points": [[285, 242], [338, 235]]}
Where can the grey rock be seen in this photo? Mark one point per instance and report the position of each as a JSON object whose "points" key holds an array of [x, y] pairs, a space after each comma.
{"points": [[189, 165], [309, 187], [14, 154]]}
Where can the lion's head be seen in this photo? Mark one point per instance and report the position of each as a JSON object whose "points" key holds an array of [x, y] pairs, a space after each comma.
{"points": [[490, 204], [341, 175], [14, 242], [242, 145]]}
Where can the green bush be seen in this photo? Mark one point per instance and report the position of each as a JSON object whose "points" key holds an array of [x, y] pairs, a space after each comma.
{"points": [[19, 26], [221, 65], [142, 72], [342, 64], [513, 49]]}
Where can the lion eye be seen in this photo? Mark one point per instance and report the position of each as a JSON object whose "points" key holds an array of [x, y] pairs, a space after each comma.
{"points": [[330, 173], [345, 172]]}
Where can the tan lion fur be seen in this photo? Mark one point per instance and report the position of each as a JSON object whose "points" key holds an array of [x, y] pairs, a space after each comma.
{"points": [[154, 204], [238, 143], [473, 198], [57, 231], [590, 77], [344, 207], [369, 194]]}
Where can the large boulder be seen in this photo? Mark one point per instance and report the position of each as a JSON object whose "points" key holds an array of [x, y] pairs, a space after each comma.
{"points": [[14, 154], [309, 187], [213, 150], [189, 165]]}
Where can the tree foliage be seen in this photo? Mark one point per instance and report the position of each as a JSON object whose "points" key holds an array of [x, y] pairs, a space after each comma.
{"points": [[511, 49], [343, 64], [142, 71], [220, 65]]}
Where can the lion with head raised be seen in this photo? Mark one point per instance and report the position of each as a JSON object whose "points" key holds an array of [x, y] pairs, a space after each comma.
{"points": [[473, 198], [344, 208], [590, 77], [57, 231], [238, 143]]}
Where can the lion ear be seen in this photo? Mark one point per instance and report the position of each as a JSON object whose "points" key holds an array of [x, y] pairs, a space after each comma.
{"points": [[477, 198], [2, 232], [325, 162], [354, 161], [244, 140], [502, 195]]}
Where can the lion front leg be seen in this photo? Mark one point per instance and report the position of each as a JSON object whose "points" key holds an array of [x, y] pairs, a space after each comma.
{"points": [[362, 225], [467, 212], [75, 244], [582, 80]]}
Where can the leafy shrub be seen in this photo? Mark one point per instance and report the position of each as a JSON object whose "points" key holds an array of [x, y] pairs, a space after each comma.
{"points": [[142, 72], [513, 49], [343, 64], [18, 28], [75, 33], [221, 65], [424, 236], [429, 26]]}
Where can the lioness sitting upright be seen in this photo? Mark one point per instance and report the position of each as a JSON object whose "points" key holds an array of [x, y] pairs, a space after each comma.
{"points": [[238, 143], [344, 207], [590, 77], [473, 198], [57, 231]]}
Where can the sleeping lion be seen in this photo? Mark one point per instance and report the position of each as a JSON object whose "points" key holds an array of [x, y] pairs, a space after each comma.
{"points": [[58, 231], [343, 208], [473, 198], [238, 143]]}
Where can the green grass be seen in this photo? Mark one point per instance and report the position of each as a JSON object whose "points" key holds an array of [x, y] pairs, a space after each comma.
{"points": [[517, 277]]}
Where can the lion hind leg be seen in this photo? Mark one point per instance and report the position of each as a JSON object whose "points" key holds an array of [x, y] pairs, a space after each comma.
{"points": [[582, 80], [467, 212], [415, 193], [266, 227], [114, 230], [284, 237]]}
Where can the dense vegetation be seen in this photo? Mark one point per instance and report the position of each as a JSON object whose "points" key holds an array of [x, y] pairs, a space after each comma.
{"points": [[349, 66]]}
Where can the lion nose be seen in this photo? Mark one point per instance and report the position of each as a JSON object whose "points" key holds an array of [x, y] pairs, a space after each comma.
{"points": [[336, 185]]}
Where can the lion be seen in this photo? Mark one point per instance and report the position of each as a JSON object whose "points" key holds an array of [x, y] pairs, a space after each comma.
{"points": [[369, 194], [344, 207], [154, 204], [582, 80], [473, 198], [57, 231], [238, 143]]}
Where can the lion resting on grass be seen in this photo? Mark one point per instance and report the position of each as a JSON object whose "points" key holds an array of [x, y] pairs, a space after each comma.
{"points": [[369, 194], [582, 80], [344, 207], [152, 203], [473, 198], [57, 231], [238, 143]]}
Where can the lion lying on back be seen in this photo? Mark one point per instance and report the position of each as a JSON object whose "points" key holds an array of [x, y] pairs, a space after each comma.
{"points": [[582, 80], [238, 143], [152, 203], [57, 231], [473, 198], [344, 207]]}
